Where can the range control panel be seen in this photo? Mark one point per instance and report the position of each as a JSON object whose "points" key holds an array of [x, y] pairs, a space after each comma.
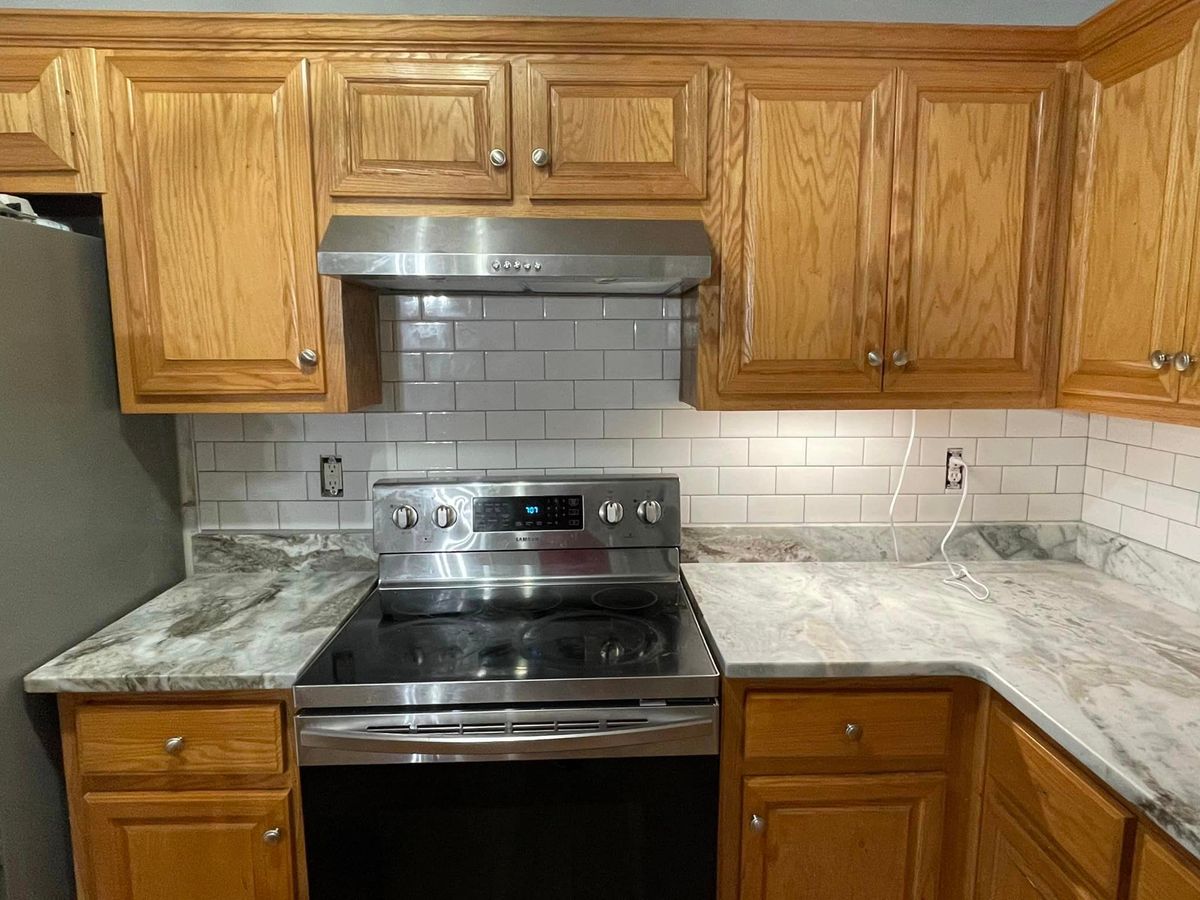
{"points": [[544, 513]]}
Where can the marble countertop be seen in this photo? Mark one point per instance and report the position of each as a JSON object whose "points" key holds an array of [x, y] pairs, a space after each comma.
{"points": [[1107, 669], [237, 631]]}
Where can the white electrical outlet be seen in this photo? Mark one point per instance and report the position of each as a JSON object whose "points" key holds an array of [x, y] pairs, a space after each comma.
{"points": [[331, 476], [954, 469]]}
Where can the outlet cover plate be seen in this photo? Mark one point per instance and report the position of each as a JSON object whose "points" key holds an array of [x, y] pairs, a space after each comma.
{"points": [[331, 477]]}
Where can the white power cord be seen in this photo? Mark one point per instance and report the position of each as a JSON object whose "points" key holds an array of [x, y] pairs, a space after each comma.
{"points": [[960, 575]]}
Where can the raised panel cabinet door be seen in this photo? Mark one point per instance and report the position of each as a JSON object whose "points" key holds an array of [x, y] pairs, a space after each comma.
{"points": [[857, 837], [1013, 865], [49, 121], [808, 178], [1132, 218], [190, 845], [420, 128], [214, 251], [1159, 873], [974, 218], [617, 128]]}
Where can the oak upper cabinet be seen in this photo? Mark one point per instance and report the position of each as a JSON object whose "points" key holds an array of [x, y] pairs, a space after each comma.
{"points": [[211, 230], [826, 837], [413, 127], [808, 177], [614, 128], [190, 845], [49, 121], [1133, 215], [1160, 874], [973, 236]]}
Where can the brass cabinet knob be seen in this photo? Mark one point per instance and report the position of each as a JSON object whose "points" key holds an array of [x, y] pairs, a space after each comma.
{"points": [[541, 157], [498, 158]]}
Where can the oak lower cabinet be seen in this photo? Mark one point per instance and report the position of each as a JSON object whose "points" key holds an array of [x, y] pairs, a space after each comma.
{"points": [[890, 236], [829, 837], [1131, 309], [199, 845], [186, 796], [211, 242], [1160, 873], [49, 121]]}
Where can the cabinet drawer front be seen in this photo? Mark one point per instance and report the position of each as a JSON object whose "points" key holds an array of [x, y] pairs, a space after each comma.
{"points": [[119, 740], [820, 725], [1087, 826]]}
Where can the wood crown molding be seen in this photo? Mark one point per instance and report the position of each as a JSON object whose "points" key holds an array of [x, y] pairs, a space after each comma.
{"points": [[1121, 19], [132, 30]]}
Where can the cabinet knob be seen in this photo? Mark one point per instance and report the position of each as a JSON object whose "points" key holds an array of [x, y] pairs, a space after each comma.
{"points": [[541, 157], [308, 357], [272, 836], [1160, 359], [853, 731], [498, 158], [1183, 361], [874, 359], [758, 824], [900, 358], [173, 745]]}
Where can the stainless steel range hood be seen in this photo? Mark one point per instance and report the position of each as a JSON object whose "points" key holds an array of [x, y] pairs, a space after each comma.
{"points": [[516, 255]]}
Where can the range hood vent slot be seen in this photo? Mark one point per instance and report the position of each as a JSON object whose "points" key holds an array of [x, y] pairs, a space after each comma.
{"points": [[428, 254]]}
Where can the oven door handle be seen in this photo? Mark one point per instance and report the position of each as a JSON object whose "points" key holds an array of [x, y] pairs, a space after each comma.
{"points": [[493, 744]]}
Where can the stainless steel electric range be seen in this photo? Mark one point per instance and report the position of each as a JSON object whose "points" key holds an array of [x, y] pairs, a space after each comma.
{"points": [[536, 634]]}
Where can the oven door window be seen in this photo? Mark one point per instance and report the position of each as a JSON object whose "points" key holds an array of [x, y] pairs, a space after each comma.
{"points": [[584, 829]]}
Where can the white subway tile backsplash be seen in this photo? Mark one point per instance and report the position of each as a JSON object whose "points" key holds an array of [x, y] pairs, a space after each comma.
{"points": [[354, 515], [1074, 424], [783, 451], [657, 395], [303, 457], [514, 365], [1124, 489], [603, 394], [516, 424], [418, 455], [455, 426], [417, 396], [502, 307], [864, 423], [307, 515], [217, 427], [1153, 465], [548, 335], [396, 427], [354, 486], [574, 423], [1055, 507], [834, 452], [603, 335], [632, 423], [276, 486], [540, 454], [574, 307], [720, 451], [251, 516], [1106, 455], [633, 364], [273, 427], [886, 451], [942, 507], [604, 452], [221, 485], [654, 335], [399, 306], [451, 306], [807, 423], [662, 452], [1062, 451], [690, 423], [335, 427], [362, 457], [1027, 480], [485, 395], [247, 456], [861, 479], [575, 364], [1176, 438], [483, 335], [487, 454], [978, 422], [832, 509], [1033, 423], [1172, 502], [695, 480], [876, 508], [205, 457], [454, 365], [633, 307], [545, 395], [718, 510], [1186, 472], [782, 510], [749, 424], [1133, 432], [421, 336], [1104, 513], [747, 480], [804, 479], [1004, 451], [1143, 526], [1184, 540]]}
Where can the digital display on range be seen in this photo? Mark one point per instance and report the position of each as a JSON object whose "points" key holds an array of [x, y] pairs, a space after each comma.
{"points": [[560, 512]]}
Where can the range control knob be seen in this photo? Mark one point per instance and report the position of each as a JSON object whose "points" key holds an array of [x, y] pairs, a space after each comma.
{"points": [[650, 511], [611, 512], [444, 516], [405, 517]]}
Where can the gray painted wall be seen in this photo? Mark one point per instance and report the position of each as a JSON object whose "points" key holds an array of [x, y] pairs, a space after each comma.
{"points": [[1007, 12], [89, 519]]}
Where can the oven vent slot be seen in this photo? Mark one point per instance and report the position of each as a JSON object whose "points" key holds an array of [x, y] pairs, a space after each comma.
{"points": [[501, 726]]}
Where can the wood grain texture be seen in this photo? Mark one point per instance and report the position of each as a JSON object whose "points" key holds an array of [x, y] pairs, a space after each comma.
{"points": [[1132, 220], [213, 271], [629, 127], [1161, 874], [49, 121], [115, 739], [190, 845], [830, 837], [1014, 866], [513, 34], [973, 235], [1084, 825], [809, 158], [406, 127], [813, 724]]}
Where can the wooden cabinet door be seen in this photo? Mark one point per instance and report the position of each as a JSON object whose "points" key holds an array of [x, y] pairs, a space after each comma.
{"points": [[842, 837], [190, 845], [213, 255], [808, 177], [616, 128], [974, 215], [1133, 211], [1160, 874], [49, 121], [421, 128], [1014, 866]]}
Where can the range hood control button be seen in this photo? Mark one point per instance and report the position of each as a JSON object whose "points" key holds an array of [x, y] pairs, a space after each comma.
{"points": [[495, 265], [537, 267]]}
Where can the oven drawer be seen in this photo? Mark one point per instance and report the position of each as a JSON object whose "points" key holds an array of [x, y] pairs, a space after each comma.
{"points": [[146, 739], [848, 725]]}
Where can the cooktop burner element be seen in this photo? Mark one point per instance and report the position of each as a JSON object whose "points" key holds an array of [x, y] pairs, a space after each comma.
{"points": [[501, 592]]}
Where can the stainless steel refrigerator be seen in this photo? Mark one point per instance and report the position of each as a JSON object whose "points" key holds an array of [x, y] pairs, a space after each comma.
{"points": [[89, 519]]}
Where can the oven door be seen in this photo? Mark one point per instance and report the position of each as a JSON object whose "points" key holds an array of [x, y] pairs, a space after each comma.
{"points": [[589, 814]]}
